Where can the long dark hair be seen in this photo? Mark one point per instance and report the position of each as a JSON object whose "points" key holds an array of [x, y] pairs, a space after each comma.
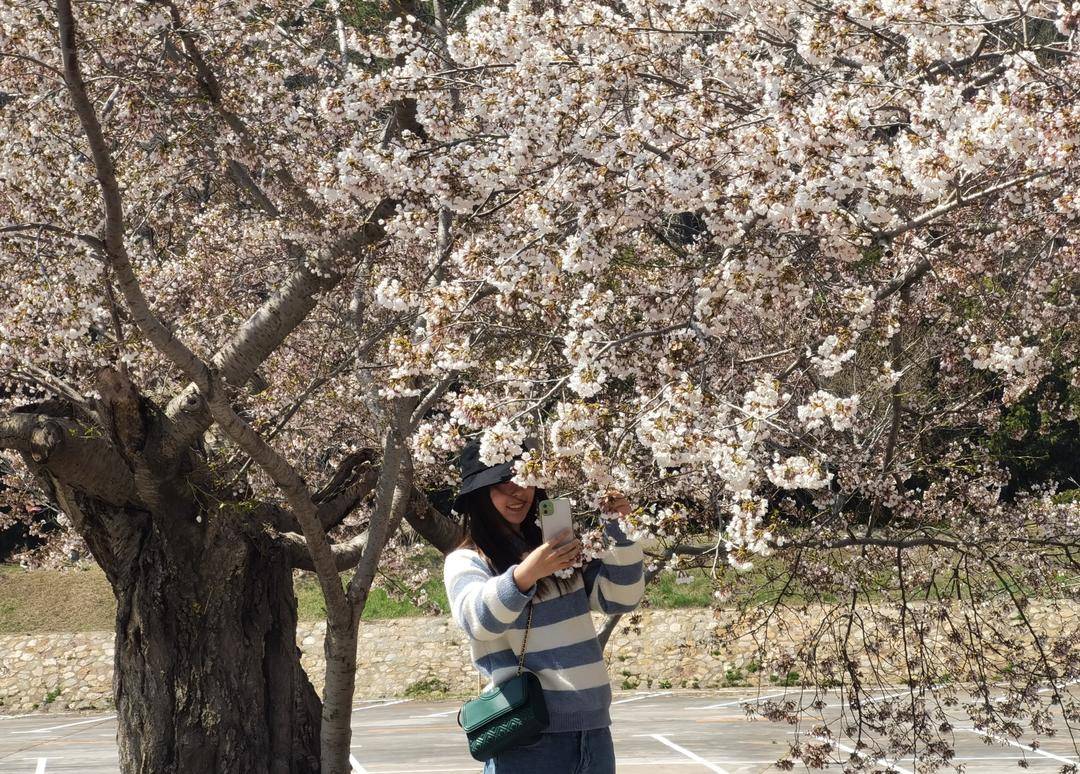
{"points": [[488, 533]]}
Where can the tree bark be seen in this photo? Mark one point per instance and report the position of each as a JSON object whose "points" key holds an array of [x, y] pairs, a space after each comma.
{"points": [[339, 646], [207, 673]]}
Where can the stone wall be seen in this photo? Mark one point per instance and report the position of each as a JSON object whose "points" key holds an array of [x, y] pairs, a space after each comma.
{"points": [[429, 656], [396, 657], [55, 671]]}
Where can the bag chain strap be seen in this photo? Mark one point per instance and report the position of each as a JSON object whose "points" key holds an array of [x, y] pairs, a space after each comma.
{"points": [[524, 643], [525, 640]]}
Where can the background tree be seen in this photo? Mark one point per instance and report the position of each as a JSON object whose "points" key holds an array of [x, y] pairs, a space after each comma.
{"points": [[799, 279]]}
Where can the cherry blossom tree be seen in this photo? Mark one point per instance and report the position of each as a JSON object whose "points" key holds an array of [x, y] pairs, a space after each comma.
{"points": [[799, 278], [166, 461]]}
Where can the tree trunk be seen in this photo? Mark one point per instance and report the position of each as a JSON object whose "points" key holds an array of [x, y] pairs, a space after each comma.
{"points": [[340, 685], [207, 672]]}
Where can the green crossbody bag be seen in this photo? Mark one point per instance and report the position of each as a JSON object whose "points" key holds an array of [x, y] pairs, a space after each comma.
{"points": [[508, 715]]}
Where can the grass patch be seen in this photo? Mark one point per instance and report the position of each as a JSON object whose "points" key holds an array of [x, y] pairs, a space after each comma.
{"points": [[77, 600], [665, 593], [310, 605], [386, 598], [385, 602]]}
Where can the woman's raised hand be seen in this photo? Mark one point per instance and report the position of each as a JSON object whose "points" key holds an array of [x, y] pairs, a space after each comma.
{"points": [[558, 553]]}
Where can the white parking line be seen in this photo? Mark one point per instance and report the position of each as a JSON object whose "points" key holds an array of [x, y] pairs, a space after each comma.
{"points": [[65, 725], [436, 714], [737, 701], [454, 770], [687, 753], [40, 766], [356, 765], [377, 706], [639, 698], [889, 765], [883, 697], [871, 700], [1024, 747], [1063, 685]]}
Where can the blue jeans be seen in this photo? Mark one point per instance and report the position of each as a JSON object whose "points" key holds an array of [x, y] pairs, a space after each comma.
{"points": [[559, 752]]}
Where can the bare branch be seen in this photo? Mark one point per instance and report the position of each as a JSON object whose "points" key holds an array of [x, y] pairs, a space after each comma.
{"points": [[884, 542], [34, 60], [212, 89], [394, 491], [42, 378], [958, 201], [89, 239]]}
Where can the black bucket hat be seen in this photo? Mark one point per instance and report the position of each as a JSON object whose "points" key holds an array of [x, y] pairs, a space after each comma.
{"points": [[476, 475]]}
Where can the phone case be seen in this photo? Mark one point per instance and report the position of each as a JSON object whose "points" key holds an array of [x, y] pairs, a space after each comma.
{"points": [[557, 509]]}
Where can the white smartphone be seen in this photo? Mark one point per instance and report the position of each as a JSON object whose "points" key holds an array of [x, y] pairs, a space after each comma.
{"points": [[554, 517]]}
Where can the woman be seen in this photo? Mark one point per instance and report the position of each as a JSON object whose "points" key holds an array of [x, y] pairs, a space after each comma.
{"points": [[500, 565]]}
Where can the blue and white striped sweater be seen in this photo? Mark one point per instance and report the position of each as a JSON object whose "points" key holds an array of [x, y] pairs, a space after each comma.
{"points": [[563, 650]]}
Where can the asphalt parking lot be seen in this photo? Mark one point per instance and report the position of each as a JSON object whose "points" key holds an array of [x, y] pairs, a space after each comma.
{"points": [[654, 731]]}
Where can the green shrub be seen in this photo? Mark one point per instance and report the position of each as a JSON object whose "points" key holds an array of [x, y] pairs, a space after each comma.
{"points": [[427, 687]]}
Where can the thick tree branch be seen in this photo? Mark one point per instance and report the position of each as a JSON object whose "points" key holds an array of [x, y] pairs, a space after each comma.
{"points": [[441, 531], [242, 177], [394, 490], [896, 408], [264, 332], [296, 491], [353, 481], [105, 172], [211, 386], [346, 554], [268, 327], [430, 399], [71, 452]]}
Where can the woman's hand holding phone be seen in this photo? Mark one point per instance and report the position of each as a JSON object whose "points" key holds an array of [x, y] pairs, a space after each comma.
{"points": [[559, 553]]}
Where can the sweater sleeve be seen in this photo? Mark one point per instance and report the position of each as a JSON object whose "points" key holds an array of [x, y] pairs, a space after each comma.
{"points": [[482, 604], [615, 580]]}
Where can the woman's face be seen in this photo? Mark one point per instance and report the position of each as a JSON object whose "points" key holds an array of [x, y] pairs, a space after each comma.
{"points": [[512, 501]]}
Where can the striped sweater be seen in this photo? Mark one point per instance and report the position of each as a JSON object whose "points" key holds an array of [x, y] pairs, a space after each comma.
{"points": [[563, 650]]}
